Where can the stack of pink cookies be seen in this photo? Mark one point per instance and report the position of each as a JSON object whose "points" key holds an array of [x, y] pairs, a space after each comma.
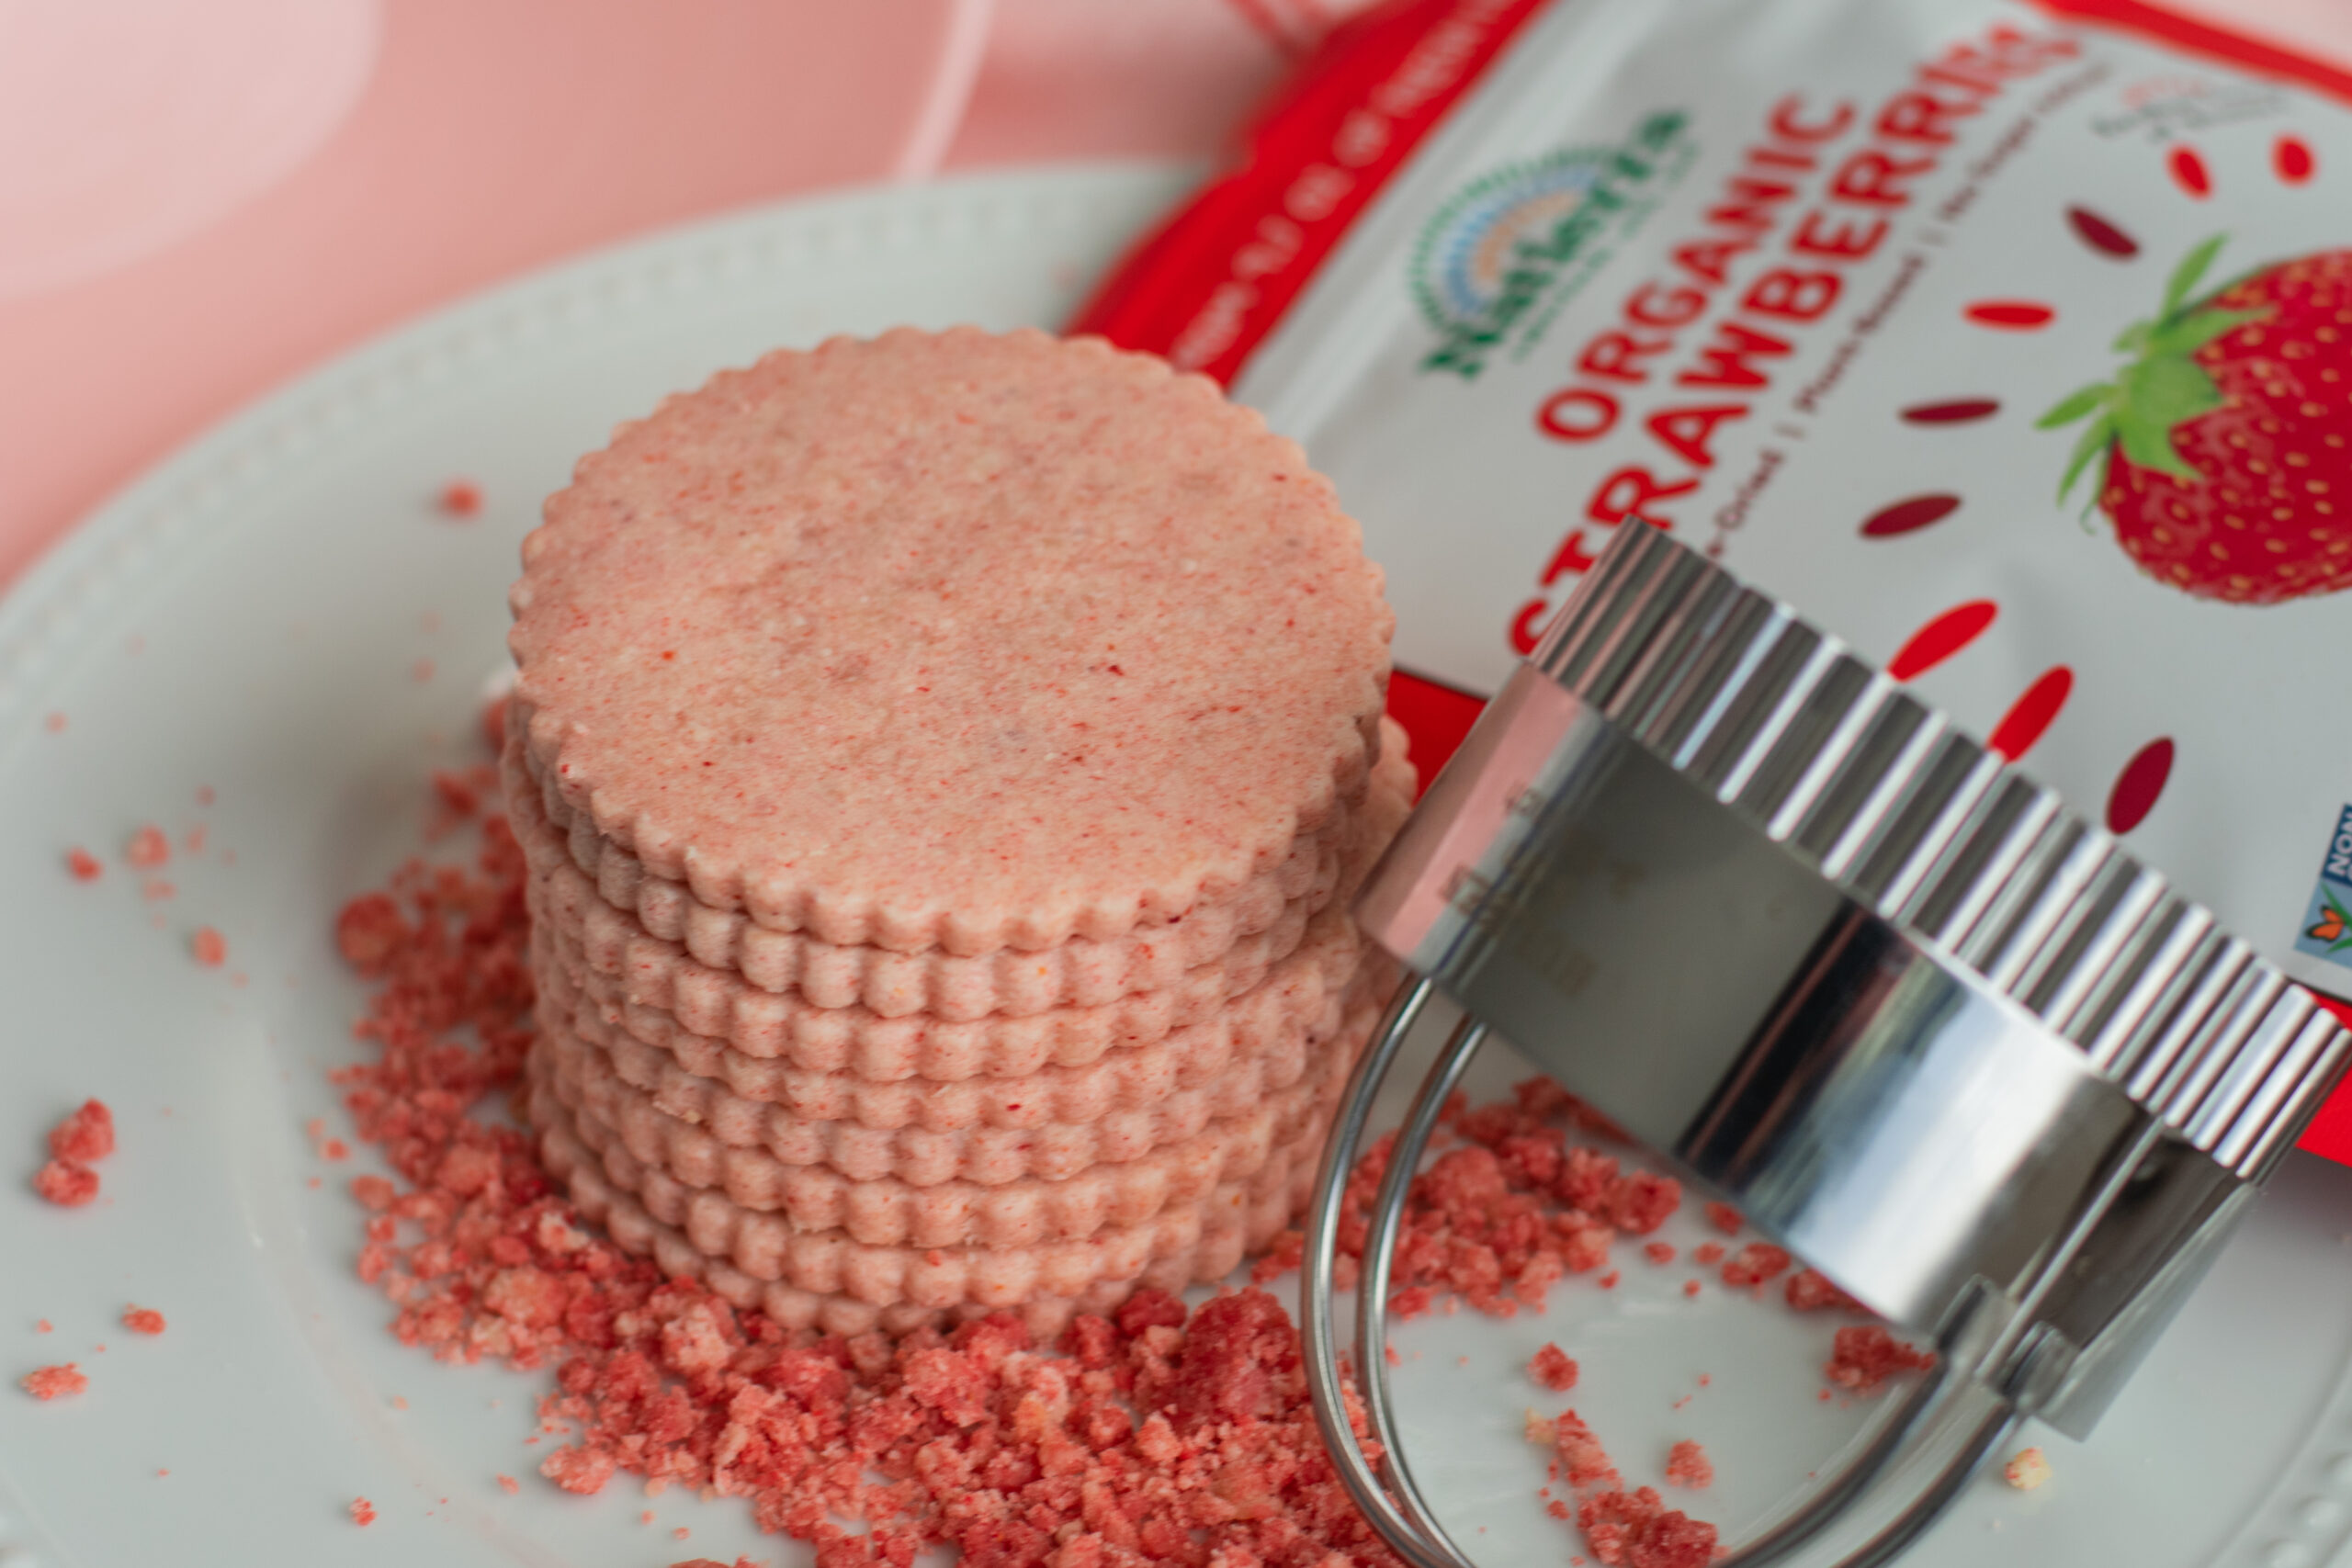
{"points": [[946, 763]]}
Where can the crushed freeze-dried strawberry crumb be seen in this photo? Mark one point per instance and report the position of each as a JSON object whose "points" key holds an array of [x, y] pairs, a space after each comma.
{"points": [[1638, 1531], [44, 1327], [1866, 1354], [211, 948], [1707, 1253], [1583, 1462], [509, 1485], [68, 1183], [1659, 1252], [1809, 1290], [461, 498], [1725, 1218], [55, 1382], [1757, 1263], [85, 866], [86, 1134], [715, 1562], [1554, 1368], [363, 1512], [1686, 1464], [148, 848], [1690, 1287], [143, 1320]]}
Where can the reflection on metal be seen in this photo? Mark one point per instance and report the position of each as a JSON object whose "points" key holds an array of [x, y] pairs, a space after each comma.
{"points": [[1763, 909]]}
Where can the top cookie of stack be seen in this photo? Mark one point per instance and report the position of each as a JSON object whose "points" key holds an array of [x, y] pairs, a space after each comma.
{"points": [[950, 643], [961, 709]]}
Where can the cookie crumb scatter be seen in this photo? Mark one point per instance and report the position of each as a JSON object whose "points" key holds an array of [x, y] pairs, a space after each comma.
{"points": [[55, 1382], [86, 1134], [148, 849], [2029, 1470], [143, 1320], [84, 865], [363, 1512], [459, 498], [211, 948], [67, 1183], [1686, 1464], [1725, 1218], [1866, 1354], [1554, 1368]]}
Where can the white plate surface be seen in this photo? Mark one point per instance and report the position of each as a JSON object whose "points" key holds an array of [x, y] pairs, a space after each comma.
{"points": [[251, 618]]}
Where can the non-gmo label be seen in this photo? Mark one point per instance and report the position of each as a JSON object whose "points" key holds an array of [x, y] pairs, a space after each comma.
{"points": [[2327, 925]]}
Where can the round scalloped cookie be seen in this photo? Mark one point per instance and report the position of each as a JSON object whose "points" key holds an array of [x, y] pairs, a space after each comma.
{"points": [[771, 959], [765, 1248], [886, 1212], [1104, 644], [724, 1004], [874, 1059], [1060, 1118], [1079, 972]]}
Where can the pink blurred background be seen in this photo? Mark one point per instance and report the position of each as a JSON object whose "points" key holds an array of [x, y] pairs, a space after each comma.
{"points": [[199, 198]]}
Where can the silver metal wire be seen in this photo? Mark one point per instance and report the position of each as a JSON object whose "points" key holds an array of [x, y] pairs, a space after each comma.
{"points": [[1389, 1497]]}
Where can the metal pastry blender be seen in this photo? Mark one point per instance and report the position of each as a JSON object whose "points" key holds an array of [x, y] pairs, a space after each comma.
{"points": [[1763, 908]]}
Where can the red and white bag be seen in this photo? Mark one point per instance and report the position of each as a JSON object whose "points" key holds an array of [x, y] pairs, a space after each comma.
{"points": [[2013, 343]]}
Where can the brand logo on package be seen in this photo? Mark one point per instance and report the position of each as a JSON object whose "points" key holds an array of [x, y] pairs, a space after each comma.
{"points": [[1497, 263], [2327, 925]]}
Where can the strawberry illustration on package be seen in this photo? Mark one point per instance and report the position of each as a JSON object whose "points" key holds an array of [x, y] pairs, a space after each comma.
{"points": [[2012, 341]]}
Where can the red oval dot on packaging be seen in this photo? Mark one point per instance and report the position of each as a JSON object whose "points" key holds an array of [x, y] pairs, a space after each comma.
{"points": [[2099, 235], [1959, 411], [2291, 157], [2032, 712], [2139, 785], [1909, 515], [2010, 315], [2189, 171], [1940, 638]]}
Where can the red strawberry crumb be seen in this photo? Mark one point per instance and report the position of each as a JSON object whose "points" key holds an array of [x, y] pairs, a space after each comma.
{"points": [[461, 498], [143, 1320], [148, 848], [509, 1485], [335, 1148], [85, 866], [1725, 1218], [363, 1512], [1866, 1354], [195, 839], [1659, 1252], [68, 1183], [86, 1134], [1637, 1530], [1686, 1464], [55, 723], [681, 1533], [1809, 1290], [209, 947], [44, 1327], [1755, 1264], [1707, 1253], [155, 890], [1554, 1368], [1608, 1281], [1582, 1460], [55, 1382], [1690, 1287]]}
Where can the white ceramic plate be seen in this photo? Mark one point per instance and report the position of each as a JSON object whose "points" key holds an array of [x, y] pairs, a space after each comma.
{"points": [[252, 618]]}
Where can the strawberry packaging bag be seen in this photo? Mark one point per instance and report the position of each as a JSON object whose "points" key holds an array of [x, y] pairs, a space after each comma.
{"points": [[2013, 342]]}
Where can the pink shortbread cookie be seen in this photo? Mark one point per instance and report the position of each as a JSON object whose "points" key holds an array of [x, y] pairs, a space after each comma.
{"points": [[765, 1248], [899, 984], [953, 641], [773, 960], [1052, 1124], [724, 1004], [886, 1212]]}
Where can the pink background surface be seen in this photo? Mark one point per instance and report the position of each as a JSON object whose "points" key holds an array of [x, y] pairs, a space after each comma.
{"points": [[199, 198]]}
